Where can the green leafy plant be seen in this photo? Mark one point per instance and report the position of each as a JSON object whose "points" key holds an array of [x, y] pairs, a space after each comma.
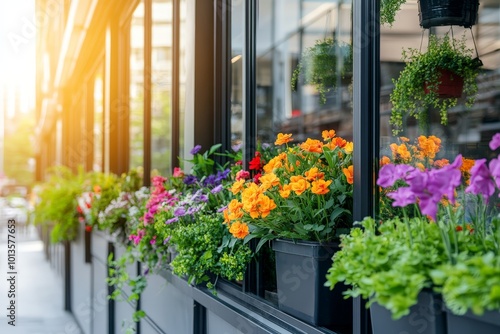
{"points": [[416, 89], [319, 66], [57, 203], [388, 10]]}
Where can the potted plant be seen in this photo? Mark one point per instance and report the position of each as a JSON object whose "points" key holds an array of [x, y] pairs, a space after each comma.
{"points": [[438, 245], [433, 13], [419, 87], [318, 66], [303, 202]]}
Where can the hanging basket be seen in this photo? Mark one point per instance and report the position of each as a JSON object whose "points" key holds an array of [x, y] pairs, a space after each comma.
{"points": [[450, 86], [433, 13]]}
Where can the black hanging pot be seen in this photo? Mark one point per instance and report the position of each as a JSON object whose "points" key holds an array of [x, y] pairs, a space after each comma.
{"points": [[434, 13]]}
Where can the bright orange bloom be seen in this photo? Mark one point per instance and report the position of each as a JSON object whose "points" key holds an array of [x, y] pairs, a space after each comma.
{"points": [[249, 198], [313, 174], [404, 139], [268, 180], [320, 187], [340, 142], [467, 165], [274, 163], [266, 205], [234, 208], [441, 163], [237, 186], [420, 166], [349, 174], [283, 138], [328, 134], [312, 145], [97, 189], [384, 161], [400, 151], [299, 185], [429, 146], [239, 230], [349, 147], [285, 191]]}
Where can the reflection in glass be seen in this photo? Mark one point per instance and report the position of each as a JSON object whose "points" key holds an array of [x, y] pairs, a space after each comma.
{"points": [[97, 161], [136, 90], [182, 76], [285, 31], [237, 40], [161, 86]]}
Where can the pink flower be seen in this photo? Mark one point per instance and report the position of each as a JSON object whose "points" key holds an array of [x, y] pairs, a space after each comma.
{"points": [[242, 174], [481, 182], [495, 142], [178, 172]]}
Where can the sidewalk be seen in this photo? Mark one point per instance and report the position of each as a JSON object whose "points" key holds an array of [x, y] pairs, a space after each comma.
{"points": [[39, 290]]}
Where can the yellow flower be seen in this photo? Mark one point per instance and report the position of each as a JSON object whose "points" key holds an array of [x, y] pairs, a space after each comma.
{"points": [[285, 191], [274, 163], [320, 187], [349, 147], [239, 230], [283, 138], [349, 174]]}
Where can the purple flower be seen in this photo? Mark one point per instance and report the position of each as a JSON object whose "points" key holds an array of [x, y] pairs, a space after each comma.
{"points": [[209, 181], [236, 147], [402, 197], [190, 179], [203, 198], [495, 142], [172, 220], [481, 181], [390, 173], [179, 212], [192, 210], [217, 189], [167, 239], [495, 171], [221, 176], [195, 149]]}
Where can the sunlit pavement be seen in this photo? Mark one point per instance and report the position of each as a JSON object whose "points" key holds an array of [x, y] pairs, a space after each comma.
{"points": [[39, 290]]}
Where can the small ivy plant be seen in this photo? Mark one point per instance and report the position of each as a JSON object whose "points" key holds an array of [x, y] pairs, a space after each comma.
{"points": [[318, 66], [416, 89], [388, 10]]}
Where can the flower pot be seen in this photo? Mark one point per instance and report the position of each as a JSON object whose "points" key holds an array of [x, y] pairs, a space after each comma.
{"points": [[434, 13], [488, 323], [450, 86], [301, 269], [426, 317]]}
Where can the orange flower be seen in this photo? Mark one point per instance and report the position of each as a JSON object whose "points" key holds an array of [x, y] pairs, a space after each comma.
{"points": [[429, 146], [97, 189], [340, 142], [404, 139], [420, 166], [400, 151], [312, 145], [299, 185], [234, 210], [274, 163], [349, 174], [328, 134], [313, 174], [239, 230], [467, 164], [268, 180], [237, 186], [441, 163], [320, 187], [283, 138], [285, 191], [384, 161], [266, 205]]}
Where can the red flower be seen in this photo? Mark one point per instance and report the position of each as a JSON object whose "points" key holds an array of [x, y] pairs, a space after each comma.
{"points": [[254, 163], [256, 178], [88, 228]]}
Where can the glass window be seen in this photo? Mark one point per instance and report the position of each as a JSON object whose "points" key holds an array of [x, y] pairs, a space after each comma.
{"points": [[136, 89], [183, 32], [161, 86], [237, 41]]}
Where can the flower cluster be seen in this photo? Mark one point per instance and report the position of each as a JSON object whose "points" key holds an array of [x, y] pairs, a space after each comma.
{"points": [[304, 192]]}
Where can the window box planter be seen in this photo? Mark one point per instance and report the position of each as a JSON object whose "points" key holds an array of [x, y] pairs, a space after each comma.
{"points": [[488, 323], [434, 13], [301, 269]]}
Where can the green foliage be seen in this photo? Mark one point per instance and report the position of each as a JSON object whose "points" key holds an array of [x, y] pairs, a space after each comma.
{"points": [[388, 263], [388, 10], [57, 203], [423, 69], [319, 66], [19, 149], [205, 248]]}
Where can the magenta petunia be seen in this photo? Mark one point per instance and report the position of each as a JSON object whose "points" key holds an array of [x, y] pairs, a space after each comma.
{"points": [[402, 197], [390, 173], [495, 171], [495, 142], [481, 182]]}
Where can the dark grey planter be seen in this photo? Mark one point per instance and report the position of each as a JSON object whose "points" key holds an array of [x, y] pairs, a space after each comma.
{"points": [[433, 13], [488, 323], [301, 269], [426, 317]]}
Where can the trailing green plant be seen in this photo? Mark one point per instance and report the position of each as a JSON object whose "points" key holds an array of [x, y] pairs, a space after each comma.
{"points": [[57, 203], [318, 66], [416, 89], [388, 10]]}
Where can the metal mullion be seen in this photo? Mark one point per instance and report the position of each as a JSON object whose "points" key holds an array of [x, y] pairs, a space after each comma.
{"points": [[148, 23], [366, 117], [175, 135]]}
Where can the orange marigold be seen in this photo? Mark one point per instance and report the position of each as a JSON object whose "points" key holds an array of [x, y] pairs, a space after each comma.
{"points": [[312, 145], [268, 180], [283, 138], [441, 163], [285, 191], [239, 230], [299, 186], [320, 187], [328, 134], [313, 174], [400, 151], [384, 161], [349, 174], [429, 146], [266, 205], [237, 186]]}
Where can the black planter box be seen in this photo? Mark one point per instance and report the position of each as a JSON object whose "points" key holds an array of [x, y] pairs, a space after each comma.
{"points": [[426, 317], [434, 13], [488, 323], [301, 269]]}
